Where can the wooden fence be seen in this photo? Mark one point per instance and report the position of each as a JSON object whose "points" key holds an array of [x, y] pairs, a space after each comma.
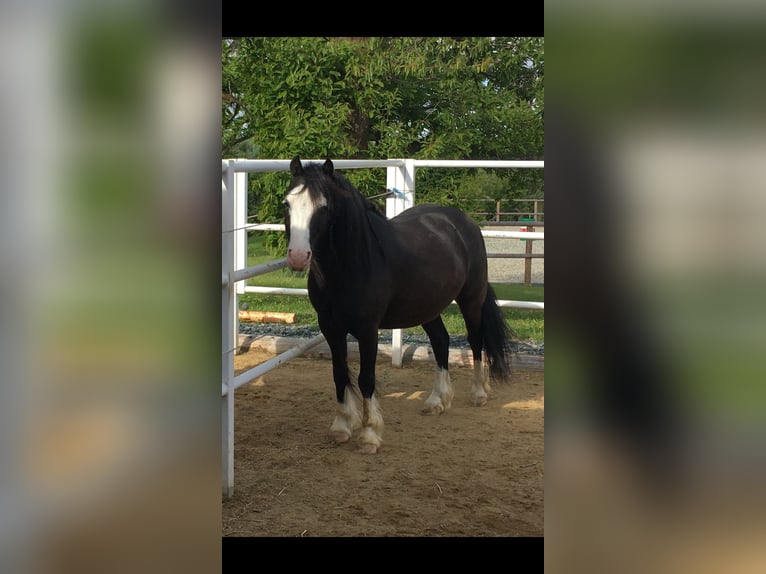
{"points": [[526, 220]]}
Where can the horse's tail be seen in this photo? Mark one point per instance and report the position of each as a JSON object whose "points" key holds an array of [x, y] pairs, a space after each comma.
{"points": [[496, 336]]}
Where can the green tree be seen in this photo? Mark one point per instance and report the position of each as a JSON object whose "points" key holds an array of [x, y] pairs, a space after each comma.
{"points": [[416, 97]]}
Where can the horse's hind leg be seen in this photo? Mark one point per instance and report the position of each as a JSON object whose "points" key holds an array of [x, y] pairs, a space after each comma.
{"points": [[347, 417], [440, 398], [471, 310]]}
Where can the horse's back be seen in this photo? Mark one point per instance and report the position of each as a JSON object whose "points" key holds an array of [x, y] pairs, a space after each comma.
{"points": [[418, 212], [438, 227]]}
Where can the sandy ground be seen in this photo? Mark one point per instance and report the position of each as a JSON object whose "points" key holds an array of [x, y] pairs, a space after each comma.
{"points": [[473, 471]]}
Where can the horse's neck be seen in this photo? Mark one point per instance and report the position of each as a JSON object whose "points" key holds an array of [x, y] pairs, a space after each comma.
{"points": [[353, 245]]}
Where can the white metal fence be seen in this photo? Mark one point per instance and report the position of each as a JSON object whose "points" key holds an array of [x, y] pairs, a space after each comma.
{"points": [[234, 270]]}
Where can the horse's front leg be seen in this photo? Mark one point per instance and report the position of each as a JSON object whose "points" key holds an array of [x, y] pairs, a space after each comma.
{"points": [[347, 418], [372, 417]]}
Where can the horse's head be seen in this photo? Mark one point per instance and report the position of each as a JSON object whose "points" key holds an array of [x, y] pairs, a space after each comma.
{"points": [[305, 202]]}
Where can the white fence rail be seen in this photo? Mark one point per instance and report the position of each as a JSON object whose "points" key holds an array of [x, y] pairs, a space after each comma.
{"points": [[234, 271]]}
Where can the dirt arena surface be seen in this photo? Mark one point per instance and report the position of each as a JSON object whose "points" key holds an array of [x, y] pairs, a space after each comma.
{"points": [[467, 473]]}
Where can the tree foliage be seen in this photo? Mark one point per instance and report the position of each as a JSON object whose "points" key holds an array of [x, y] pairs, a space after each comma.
{"points": [[378, 98]]}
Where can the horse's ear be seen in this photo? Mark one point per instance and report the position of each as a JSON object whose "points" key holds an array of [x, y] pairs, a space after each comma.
{"points": [[296, 167], [328, 167]]}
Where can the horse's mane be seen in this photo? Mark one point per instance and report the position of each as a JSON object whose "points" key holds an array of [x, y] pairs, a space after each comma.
{"points": [[353, 218], [334, 184]]}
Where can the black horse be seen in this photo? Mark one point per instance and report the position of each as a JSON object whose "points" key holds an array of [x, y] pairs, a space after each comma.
{"points": [[368, 273]]}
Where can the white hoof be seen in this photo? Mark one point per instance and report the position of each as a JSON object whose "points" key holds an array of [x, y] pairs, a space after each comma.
{"points": [[369, 441]]}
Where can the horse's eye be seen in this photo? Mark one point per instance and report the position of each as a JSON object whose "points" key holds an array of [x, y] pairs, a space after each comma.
{"points": [[285, 204]]}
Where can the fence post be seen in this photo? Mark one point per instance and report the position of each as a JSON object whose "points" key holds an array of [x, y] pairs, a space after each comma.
{"points": [[228, 335], [528, 251], [401, 179], [240, 239], [528, 260]]}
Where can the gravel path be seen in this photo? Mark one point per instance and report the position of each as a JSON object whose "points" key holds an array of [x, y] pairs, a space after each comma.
{"points": [[306, 332], [512, 270]]}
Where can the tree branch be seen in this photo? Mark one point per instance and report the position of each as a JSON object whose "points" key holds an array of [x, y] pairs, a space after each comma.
{"points": [[227, 148]]}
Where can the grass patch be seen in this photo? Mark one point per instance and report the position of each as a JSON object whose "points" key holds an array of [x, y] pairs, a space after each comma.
{"points": [[529, 324]]}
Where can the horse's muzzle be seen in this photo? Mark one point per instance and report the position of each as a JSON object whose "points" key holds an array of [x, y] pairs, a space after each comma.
{"points": [[298, 260]]}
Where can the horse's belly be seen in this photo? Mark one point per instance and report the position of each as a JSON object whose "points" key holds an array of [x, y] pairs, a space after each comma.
{"points": [[421, 291], [414, 309]]}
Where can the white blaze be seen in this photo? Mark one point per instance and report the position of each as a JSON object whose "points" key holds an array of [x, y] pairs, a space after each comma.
{"points": [[301, 211]]}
